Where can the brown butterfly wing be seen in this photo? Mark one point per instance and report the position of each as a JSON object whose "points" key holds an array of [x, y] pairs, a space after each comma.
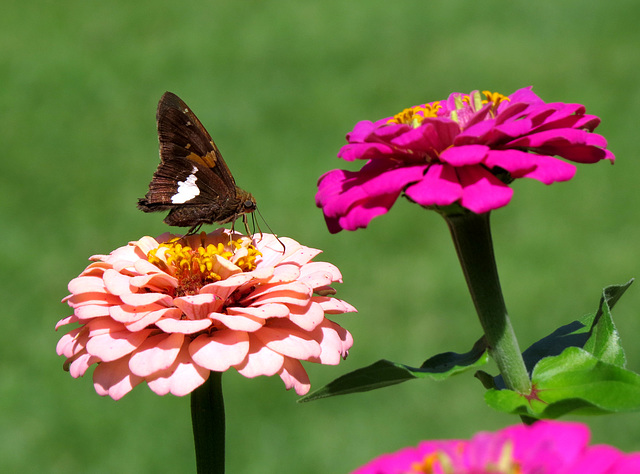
{"points": [[190, 157], [202, 202], [181, 134]]}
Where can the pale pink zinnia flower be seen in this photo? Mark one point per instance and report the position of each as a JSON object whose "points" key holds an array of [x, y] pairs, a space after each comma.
{"points": [[546, 447], [464, 150], [170, 311]]}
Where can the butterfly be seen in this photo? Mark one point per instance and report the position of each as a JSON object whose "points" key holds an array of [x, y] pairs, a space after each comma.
{"points": [[192, 181]]}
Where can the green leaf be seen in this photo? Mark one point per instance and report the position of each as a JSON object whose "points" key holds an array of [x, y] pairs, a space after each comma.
{"points": [[596, 333], [604, 342], [575, 381], [384, 373], [578, 369]]}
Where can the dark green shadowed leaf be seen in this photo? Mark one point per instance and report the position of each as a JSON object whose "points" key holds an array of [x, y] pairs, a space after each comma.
{"points": [[579, 369], [596, 333], [385, 373]]}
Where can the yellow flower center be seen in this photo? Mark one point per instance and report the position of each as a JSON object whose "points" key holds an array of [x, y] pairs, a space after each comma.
{"points": [[494, 97], [199, 266], [476, 102], [415, 115]]}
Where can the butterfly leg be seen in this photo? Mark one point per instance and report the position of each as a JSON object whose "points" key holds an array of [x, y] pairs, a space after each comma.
{"points": [[194, 230]]}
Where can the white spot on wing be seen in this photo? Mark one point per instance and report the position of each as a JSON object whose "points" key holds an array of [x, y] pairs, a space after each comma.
{"points": [[187, 189]]}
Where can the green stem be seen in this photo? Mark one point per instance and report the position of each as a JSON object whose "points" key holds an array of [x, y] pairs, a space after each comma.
{"points": [[472, 238], [207, 418]]}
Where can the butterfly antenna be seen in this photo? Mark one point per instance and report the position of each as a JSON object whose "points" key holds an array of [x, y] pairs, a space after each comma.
{"points": [[284, 248]]}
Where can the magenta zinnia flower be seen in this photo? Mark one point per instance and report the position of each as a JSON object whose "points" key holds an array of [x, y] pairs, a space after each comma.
{"points": [[463, 151], [169, 311], [546, 447]]}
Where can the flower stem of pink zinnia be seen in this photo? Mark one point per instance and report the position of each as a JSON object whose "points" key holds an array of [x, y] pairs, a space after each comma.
{"points": [[207, 418], [472, 238]]}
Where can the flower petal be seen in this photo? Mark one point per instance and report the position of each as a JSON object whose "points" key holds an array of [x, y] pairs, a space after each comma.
{"points": [[291, 294], [335, 343], [157, 353], [155, 281], [482, 191], [183, 326], [430, 139], [597, 460], [199, 306], [86, 284], [182, 378], [93, 298], [323, 276], [550, 170], [365, 151], [516, 162], [146, 299], [116, 343], [464, 155], [153, 317], [439, 187], [221, 350], [362, 131], [307, 318], [289, 341], [294, 376], [238, 319], [127, 314], [90, 311], [114, 378], [334, 305], [81, 363], [260, 360], [300, 256], [285, 272], [68, 320], [72, 342], [116, 283], [575, 145], [351, 199]]}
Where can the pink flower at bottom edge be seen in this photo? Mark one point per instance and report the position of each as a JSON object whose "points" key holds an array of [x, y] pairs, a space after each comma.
{"points": [[169, 311], [546, 447], [463, 150]]}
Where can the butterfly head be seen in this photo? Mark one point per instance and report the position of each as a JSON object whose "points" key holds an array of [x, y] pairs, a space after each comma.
{"points": [[249, 204], [247, 201]]}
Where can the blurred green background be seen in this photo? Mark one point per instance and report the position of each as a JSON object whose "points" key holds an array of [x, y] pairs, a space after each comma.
{"points": [[278, 84]]}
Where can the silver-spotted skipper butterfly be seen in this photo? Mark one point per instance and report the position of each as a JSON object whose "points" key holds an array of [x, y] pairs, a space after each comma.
{"points": [[192, 181]]}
